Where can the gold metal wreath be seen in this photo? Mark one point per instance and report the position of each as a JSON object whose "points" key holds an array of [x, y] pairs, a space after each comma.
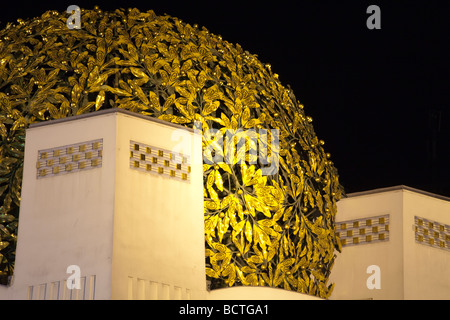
{"points": [[275, 230]]}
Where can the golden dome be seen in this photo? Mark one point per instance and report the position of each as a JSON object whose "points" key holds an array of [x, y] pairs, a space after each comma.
{"points": [[268, 230]]}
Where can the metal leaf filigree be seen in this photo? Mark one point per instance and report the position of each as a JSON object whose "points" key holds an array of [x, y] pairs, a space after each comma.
{"points": [[261, 230]]}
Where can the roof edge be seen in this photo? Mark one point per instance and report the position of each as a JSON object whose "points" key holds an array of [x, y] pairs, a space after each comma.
{"points": [[396, 188], [107, 111]]}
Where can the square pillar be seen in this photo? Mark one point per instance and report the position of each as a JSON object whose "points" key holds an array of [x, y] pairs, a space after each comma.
{"points": [[120, 197]]}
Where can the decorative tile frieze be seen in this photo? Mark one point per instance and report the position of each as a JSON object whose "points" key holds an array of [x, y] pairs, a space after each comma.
{"points": [[69, 158], [159, 161], [364, 230], [432, 233]]}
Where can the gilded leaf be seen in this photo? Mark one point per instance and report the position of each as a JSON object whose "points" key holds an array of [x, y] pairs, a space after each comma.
{"points": [[245, 115], [211, 273], [218, 180], [154, 101], [248, 231], [239, 226], [100, 99], [210, 107], [139, 92], [169, 102], [225, 167]]}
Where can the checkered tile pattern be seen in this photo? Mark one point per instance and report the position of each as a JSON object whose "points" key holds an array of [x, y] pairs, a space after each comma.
{"points": [[159, 161], [69, 158], [432, 233], [364, 230]]}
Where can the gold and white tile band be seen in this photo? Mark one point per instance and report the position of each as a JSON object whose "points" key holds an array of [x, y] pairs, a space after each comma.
{"points": [[69, 158], [432, 233], [159, 161], [364, 230]]}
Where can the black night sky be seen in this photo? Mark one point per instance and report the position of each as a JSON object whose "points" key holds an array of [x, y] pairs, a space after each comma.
{"points": [[379, 98]]}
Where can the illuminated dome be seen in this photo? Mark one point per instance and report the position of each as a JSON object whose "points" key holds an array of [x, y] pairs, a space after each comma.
{"points": [[261, 230]]}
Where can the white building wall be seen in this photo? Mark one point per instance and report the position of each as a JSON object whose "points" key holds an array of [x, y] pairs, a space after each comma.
{"points": [[132, 234], [408, 269], [427, 268], [66, 219], [349, 272], [159, 244]]}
